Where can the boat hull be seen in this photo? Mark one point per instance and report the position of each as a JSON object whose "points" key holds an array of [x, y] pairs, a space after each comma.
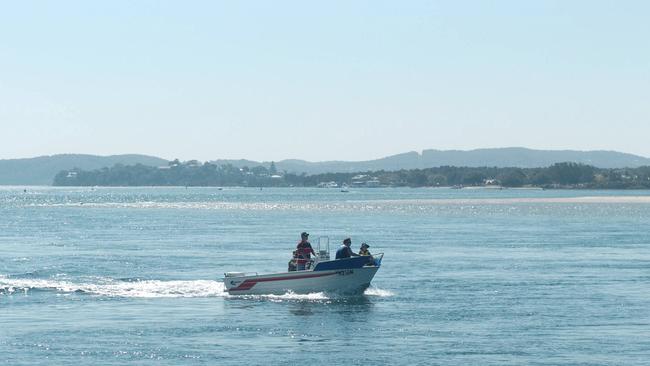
{"points": [[348, 281]]}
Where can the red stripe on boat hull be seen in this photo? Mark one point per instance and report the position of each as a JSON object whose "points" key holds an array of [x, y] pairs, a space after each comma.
{"points": [[248, 284]]}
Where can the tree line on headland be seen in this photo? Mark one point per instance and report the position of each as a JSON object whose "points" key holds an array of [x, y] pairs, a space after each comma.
{"points": [[193, 173]]}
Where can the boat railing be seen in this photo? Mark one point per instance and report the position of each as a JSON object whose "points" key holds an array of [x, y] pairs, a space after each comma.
{"points": [[323, 248], [240, 274]]}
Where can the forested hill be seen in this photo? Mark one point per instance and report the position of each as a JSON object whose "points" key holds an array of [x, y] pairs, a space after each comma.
{"points": [[497, 157], [559, 175], [41, 170]]}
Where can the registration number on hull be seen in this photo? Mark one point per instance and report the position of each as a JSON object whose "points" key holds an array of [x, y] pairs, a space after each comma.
{"points": [[345, 272]]}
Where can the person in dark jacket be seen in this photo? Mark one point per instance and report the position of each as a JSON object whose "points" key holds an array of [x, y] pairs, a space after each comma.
{"points": [[345, 251]]}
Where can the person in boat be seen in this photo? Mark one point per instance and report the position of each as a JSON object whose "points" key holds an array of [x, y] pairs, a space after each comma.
{"points": [[365, 252], [293, 262], [304, 250], [345, 251]]}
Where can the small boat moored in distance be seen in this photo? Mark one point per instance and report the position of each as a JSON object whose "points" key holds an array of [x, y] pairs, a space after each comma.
{"points": [[347, 276], [331, 184]]}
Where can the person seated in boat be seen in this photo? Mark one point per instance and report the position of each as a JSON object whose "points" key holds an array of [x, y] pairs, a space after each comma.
{"points": [[293, 262], [345, 251], [365, 252], [300, 260], [305, 251]]}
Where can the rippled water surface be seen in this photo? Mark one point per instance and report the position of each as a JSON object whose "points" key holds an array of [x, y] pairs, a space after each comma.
{"points": [[112, 276]]}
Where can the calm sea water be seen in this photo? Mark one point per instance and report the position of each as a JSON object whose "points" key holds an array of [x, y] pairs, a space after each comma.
{"points": [[484, 277]]}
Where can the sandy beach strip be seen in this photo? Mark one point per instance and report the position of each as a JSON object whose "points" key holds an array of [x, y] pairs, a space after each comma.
{"points": [[515, 200]]}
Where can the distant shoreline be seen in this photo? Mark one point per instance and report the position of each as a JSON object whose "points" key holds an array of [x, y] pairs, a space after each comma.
{"points": [[487, 162], [560, 175], [32, 187]]}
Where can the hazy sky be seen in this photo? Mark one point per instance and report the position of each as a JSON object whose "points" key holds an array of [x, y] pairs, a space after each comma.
{"points": [[349, 80]]}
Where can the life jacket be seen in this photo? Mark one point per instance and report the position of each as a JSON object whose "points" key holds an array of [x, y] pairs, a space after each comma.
{"points": [[364, 252], [304, 252]]}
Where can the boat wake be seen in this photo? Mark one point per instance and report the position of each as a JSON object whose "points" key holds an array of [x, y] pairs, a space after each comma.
{"points": [[135, 288], [289, 296], [113, 288]]}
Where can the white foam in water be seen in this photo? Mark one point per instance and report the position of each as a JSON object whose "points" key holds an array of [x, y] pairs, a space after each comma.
{"points": [[373, 291], [108, 287], [315, 296]]}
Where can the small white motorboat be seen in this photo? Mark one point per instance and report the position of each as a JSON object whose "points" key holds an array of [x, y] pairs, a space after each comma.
{"points": [[347, 276]]}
